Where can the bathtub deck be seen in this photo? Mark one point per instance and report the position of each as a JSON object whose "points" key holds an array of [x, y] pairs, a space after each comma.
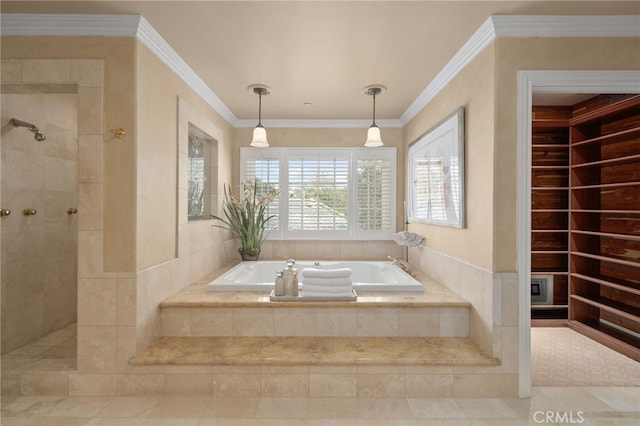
{"points": [[197, 296], [246, 344]]}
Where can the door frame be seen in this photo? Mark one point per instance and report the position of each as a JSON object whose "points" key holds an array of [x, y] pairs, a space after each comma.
{"points": [[546, 81]]}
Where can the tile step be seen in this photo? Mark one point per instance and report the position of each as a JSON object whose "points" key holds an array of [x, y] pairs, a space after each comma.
{"points": [[317, 351]]}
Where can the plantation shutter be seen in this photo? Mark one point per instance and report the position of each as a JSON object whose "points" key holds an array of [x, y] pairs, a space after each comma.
{"points": [[374, 195], [326, 193], [266, 173], [318, 193]]}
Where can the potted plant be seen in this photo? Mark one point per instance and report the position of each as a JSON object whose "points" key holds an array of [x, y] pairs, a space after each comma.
{"points": [[247, 218]]}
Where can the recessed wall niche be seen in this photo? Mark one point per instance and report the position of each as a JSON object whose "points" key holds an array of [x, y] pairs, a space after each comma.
{"points": [[199, 181], [199, 174]]}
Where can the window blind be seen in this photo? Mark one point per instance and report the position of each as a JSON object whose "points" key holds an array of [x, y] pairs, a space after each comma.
{"points": [[374, 194], [326, 193], [265, 172], [318, 192]]}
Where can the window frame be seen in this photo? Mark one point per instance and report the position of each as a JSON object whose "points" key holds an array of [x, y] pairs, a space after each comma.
{"points": [[283, 155]]}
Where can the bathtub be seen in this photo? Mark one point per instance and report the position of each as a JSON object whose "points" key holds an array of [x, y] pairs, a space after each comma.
{"points": [[367, 276]]}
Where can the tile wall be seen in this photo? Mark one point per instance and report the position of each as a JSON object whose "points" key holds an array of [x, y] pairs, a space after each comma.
{"points": [[493, 319], [39, 256]]}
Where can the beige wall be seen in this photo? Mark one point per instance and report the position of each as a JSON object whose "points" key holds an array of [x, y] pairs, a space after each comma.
{"points": [[517, 54], [158, 89], [474, 89]]}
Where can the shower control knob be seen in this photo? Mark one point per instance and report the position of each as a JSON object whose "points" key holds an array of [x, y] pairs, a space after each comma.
{"points": [[29, 212], [5, 212], [72, 210]]}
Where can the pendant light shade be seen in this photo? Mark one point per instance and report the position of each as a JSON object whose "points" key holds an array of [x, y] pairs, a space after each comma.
{"points": [[373, 134], [259, 133], [373, 137], [259, 137]]}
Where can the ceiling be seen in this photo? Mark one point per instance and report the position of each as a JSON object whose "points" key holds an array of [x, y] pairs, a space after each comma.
{"points": [[317, 56]]}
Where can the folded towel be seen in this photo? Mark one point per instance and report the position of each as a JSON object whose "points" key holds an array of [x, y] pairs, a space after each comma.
{"points": [[327, 289], [328, 282], [312, 294], [326, 273]]}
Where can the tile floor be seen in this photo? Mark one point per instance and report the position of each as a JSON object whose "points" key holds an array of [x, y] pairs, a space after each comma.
{"points": [[610, 406], [548, 405]]}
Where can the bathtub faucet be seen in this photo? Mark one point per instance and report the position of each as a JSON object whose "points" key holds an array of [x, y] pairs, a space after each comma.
{"points": [[402, 264]]}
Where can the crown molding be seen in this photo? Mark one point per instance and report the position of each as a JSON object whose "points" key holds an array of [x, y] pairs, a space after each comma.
{"points": [[114, 26], [493, 27], [566, 26], [27, 24], [523, 26], [319, 124], [476, 44], [154, 41]]}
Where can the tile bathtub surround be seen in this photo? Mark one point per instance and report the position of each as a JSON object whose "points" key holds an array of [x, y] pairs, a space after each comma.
{"points": [[194, 311], [493, 318]]}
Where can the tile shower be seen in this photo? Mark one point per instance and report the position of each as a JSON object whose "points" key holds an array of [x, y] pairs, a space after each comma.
{"points": [[39, 250]]}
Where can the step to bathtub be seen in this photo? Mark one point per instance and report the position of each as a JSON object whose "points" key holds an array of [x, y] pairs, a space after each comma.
{"points": [[194, 311], [322, 321], [313, 351]]}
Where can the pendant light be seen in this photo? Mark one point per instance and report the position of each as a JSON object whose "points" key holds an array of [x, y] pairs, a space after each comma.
{"points": [[259, 133], [373, 134]]}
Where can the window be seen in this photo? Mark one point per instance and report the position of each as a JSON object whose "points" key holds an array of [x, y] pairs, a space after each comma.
{"points": [[326, 193], [199, 173]]}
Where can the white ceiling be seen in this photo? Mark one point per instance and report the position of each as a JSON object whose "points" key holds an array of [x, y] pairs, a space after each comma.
{"points": [[319, 52]]}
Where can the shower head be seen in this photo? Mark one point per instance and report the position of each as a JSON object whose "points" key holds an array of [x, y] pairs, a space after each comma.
{"points": [[39, 137], [31, 127]]}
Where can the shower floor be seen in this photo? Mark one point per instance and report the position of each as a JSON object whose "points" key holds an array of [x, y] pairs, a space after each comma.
{"points": [[53, 353]]}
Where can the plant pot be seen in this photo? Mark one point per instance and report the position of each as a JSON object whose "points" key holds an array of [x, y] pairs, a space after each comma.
{"points": [[249, 254]]}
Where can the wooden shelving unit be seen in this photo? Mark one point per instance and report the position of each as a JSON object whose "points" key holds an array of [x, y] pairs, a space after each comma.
{"points": [[604, 225], [550, 211]]}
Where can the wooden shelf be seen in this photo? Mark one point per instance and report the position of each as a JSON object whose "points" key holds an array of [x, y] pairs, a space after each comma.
{"points": [[550, 206], [620, 309], [607, 283], [549, 167], [607, 234], [548, 307], [550, 123], [604, 300], [602, 279], [611, 137], [605, 211], [611, 161], [622, 342], [606, 185], [601, 113], [605, 258]]}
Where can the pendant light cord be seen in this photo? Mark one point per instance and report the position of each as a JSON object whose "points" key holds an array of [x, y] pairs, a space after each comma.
{"points": [[260, 108], [374, 108]]}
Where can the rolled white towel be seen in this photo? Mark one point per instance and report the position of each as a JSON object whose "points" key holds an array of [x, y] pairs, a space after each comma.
{"points": [[327, 282], [326, 273], [312, 294], [327, 289]]}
